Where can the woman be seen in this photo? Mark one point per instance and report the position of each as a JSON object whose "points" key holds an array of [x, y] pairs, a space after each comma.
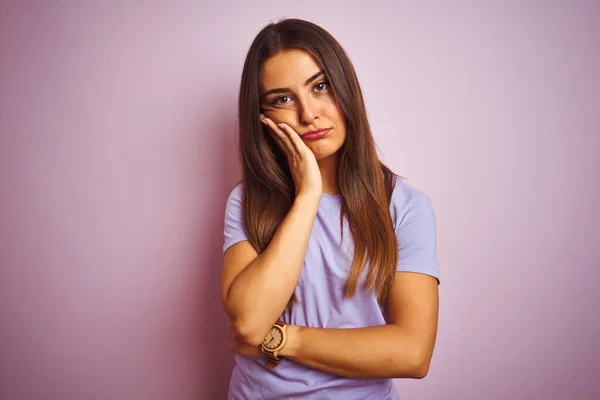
{"points": [[330, 278]]}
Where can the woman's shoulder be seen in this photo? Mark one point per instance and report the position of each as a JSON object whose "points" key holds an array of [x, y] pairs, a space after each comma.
{"points": [[406, 193], [405, 197], [234, 200], [236, 192]]}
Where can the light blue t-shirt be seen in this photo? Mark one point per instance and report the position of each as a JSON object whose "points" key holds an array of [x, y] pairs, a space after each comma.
{"points": [[322, 303]]}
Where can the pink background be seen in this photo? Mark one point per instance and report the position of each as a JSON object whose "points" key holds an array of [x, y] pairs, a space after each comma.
{"points": [[117, 152]]}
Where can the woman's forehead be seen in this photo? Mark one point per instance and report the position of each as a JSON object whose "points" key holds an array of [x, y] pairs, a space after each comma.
{"points": [[286, 69]]}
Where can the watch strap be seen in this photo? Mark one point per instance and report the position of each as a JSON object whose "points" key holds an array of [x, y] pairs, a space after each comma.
{"points": [[272, 361]]}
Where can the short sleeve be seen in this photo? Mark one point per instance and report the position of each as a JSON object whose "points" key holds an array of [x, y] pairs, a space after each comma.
{"points": [[234, 226], [416, 233]]}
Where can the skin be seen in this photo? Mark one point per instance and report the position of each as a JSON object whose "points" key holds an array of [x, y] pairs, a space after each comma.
{"points": [[305, 104], [256, 288]]}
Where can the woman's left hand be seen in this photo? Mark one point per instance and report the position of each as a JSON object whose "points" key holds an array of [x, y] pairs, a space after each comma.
{"points": [[243, 349]]}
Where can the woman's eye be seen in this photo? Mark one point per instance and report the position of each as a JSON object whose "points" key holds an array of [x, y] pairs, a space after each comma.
{"points": [[281, 100], [321, 86]]}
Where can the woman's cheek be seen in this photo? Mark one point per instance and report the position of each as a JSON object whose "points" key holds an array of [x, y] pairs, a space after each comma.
{"points": [[288, 117]]}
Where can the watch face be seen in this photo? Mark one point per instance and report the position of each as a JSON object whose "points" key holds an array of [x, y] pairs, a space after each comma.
{"points": [[273, 339]]}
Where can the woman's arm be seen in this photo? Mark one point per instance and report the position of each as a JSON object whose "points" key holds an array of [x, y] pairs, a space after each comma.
{"points": [[256, 288], [404, 347], [401, 349]]}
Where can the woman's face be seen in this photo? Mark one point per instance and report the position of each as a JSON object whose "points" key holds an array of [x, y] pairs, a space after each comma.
{"points": [[294, 90]]}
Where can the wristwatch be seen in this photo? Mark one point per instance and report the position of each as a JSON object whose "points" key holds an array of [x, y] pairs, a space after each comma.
{"points": [[273, 343]]}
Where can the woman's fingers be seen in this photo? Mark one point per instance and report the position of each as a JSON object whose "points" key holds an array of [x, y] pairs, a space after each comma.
{"points": [[245, 350], [293, 137], [302, 162], [273, 129], [281, 136], [238, 347]]}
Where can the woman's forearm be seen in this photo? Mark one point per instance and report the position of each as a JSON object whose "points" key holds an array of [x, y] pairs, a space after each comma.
{"points": [[385, 351], [260, 293]]}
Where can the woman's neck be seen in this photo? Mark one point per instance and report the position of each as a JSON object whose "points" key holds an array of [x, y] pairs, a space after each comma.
{"points": [[329, 174]]}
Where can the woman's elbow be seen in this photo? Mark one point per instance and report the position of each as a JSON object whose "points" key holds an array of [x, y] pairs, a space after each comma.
{"points": [[245, 331], [248, 334], [421, 370], [417, 367], [420, 365]]}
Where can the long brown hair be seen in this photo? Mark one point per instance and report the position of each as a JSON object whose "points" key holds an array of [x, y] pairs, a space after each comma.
{"points": [[366, 184]]}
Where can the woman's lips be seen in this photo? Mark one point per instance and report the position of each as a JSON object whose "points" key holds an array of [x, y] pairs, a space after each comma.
{"points": [[318, 134]]}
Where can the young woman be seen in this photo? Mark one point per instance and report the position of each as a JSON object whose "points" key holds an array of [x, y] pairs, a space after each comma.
{"points": [[330, 277]]}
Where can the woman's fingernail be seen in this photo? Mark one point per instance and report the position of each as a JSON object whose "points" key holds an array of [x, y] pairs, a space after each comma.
{"points": [[280, 126]]}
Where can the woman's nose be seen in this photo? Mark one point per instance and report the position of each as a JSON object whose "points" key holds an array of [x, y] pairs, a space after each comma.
{"points": [[308, 112]]}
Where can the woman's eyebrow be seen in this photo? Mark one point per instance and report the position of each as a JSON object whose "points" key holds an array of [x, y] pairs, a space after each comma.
{"points": [[312, 78], [286, 90]]}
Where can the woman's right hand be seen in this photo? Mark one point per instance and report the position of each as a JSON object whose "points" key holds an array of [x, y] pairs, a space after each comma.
{"points": [[301, 160]]}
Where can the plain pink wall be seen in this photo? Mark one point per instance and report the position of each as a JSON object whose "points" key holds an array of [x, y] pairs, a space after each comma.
{"points": [[117, 152]]}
